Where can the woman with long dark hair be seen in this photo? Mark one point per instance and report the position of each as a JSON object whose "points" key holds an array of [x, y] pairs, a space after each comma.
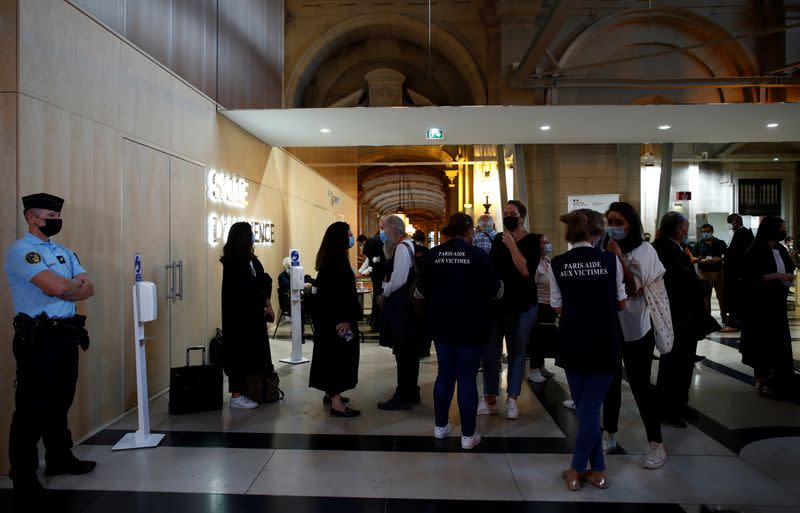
{"points": [[246, 308], [334, 366], [766, 343], [640, 268]]}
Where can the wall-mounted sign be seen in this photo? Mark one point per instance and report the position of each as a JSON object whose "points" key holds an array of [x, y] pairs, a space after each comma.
{"points": [[597, 202], [219, 225], [434, 134], [683, 196], [228, 189]]}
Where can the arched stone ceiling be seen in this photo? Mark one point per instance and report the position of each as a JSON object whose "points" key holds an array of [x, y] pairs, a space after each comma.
{"points": [[425, 194], [384, 26], [643, 31]]}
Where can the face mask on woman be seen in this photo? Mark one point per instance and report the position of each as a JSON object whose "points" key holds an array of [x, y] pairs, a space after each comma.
{"points": [[351, 241], [383, 236], [616, 232], [511, 222], [548, 248]]}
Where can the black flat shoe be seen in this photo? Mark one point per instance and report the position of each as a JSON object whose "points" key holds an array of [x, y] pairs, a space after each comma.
{"points": [[327, 399], [394, 404], [72, 466], [348, 412]]}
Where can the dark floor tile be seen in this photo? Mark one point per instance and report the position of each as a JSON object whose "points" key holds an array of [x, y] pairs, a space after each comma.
{"points": [[51, 501], [450, 506], [141, 502]]}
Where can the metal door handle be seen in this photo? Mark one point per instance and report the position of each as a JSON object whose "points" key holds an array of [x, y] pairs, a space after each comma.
{"points": [[179, 294], [171, 281]]}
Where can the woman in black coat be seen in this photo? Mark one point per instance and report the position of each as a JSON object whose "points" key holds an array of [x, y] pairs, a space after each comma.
{"points": [[686, 294], [246, 308], [766, 343], [334, 366]]}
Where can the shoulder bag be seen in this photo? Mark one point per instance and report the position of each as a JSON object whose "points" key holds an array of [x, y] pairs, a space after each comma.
{"points": [[655, 294]]}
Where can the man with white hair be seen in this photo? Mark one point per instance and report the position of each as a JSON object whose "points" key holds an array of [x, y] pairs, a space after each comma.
{"points": [[486, 234], [398, 329]]}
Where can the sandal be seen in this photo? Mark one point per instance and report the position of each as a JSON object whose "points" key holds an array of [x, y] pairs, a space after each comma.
{"points": [[573, 483], [596, 479]]}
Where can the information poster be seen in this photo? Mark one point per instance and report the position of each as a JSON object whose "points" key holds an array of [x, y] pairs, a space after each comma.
{"points": [[597, 202]]}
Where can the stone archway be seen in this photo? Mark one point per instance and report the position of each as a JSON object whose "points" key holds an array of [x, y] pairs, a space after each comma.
{"points": [[640, 32], [394, 26]]}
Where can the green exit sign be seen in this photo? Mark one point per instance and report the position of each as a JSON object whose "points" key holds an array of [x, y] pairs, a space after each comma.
{"points": [[434, 134]]}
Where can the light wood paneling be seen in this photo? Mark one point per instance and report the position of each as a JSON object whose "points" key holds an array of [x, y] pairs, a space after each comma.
{"points": [[8, 45], [193, 123], [110, 12], [146, 231], [66, 59], [193, 54], [146, 91], [148, 25], [187, 244], [9, 211]]}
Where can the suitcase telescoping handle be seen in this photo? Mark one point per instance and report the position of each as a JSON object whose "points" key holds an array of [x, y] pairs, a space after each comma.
{"points": [[195, 348]]}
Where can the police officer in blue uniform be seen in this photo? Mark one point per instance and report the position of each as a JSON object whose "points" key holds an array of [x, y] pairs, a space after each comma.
{"points": [[46, 279]]}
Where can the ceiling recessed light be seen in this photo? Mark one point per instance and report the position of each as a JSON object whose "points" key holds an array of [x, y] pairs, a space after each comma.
{"points": [[325, 130], [544, 128], [664, 127], [775, 159], [772, 125]]}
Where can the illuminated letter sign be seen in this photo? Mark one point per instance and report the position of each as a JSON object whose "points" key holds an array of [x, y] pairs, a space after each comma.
{"points": [[227, 189]]}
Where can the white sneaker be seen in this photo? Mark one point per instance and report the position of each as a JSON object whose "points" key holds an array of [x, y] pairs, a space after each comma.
{"points": [[485, 408], [243, 402], [569, 403], [655, 456], [546, 372], [609, 441], [512, 409], [441, 432], [468, 442], [536, 376]]}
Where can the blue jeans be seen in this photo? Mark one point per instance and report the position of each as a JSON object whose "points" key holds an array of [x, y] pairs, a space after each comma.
{"points": [[516, 328], [588, 391], [457, 364]]}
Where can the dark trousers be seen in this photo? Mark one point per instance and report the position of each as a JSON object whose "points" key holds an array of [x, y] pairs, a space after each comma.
{"points": [[407, 357], [732, 288], [538, 343], [47, 372], [457, 364], [588, 391], [675, 377], [638, 358]]}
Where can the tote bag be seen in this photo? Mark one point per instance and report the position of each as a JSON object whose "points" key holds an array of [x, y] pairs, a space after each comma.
{"points": [[655, 294]]}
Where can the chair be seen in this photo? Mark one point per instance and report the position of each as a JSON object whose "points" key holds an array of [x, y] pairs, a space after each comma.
{"points": [[285, 305]]}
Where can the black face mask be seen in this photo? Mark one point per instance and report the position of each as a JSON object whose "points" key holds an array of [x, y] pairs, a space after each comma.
{"points": [[51, 227], [782, 235], [510, 223]]}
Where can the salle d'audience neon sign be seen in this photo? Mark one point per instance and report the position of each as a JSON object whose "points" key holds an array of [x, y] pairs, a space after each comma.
{"points": [[229, 190]]}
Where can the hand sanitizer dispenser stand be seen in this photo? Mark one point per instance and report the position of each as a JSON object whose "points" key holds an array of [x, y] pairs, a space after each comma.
{"points": [[145, 303], [297, 278]]}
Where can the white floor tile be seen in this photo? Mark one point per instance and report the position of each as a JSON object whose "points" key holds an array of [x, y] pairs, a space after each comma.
{"points": [[777, 457], [396, 475]]}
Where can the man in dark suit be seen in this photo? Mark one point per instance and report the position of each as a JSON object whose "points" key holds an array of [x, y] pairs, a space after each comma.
{"points": [[733, 271]]}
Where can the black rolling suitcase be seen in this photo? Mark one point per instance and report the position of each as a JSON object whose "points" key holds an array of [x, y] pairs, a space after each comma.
{"points": [[195, 387]]}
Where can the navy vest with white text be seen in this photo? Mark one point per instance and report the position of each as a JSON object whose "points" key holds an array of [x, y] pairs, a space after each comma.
{"points": [[589, 328]]}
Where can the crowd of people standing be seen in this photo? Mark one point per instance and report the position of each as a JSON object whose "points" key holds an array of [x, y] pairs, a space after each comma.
{"points": [[596, 308]]}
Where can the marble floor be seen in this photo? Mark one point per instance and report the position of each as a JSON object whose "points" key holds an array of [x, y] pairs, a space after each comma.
{"points": [[739, 451]]}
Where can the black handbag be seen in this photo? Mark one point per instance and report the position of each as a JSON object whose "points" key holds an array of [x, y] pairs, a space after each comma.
{"points": [[216, 350], [195, 388], [264, 386]]}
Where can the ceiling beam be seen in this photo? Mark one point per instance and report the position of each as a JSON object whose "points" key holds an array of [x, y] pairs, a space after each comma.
{"points": [[550, 28], [669, 83]]}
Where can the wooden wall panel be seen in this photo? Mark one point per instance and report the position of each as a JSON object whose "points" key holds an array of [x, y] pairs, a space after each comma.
{"points": [[147, 93], [193, 123], [8, 45], [193, 54], [65, 59], [10, 211], [250, 55], [148, 25], [110, 12]]}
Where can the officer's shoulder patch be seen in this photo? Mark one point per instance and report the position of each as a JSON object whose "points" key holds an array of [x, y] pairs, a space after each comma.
{"points": [[61, 259], [33, 258]]}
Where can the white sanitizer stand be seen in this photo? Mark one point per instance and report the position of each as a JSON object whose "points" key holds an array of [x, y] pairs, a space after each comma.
{"points": [[297, 279], [144, 310]]}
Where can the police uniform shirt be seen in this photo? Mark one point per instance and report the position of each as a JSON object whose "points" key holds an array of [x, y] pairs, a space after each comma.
{"points": [[28, 257]]}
